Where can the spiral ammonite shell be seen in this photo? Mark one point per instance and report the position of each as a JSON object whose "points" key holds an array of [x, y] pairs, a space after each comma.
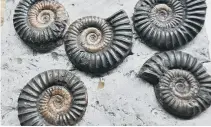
{"points": [[169, 24], [182, 85], [41, 24], [97, 45], [54, 97]]}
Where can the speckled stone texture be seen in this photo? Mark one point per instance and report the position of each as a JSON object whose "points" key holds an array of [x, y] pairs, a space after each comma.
{"points": [[125, 98]]}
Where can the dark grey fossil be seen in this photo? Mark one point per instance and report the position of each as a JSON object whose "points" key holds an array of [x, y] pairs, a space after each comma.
{"points": [[41, 24], [98, 45], [169, 24], [54, 97], [182, 85]]}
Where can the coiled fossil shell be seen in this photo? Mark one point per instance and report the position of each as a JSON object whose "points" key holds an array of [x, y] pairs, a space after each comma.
{"points": [[54, 97], [182, 85], [40, 23], [169, 24], [97, 45]]}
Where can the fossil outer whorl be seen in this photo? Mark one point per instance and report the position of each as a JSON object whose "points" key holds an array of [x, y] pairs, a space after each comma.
{"points": [[54, 97], [40, 24], [169, 24], [97, 45], [182, 85]]}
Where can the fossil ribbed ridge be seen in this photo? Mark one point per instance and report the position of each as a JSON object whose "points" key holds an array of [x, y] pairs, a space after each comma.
{"points": [[182, 85], [54, 97], [40, 24], [97, 45], [169, 24]]}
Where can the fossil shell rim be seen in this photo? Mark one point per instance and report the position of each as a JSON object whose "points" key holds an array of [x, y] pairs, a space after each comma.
{"points": [[112, 42], [181, 83], [184, 95], [54, 97], [167, 24], [40, 24]]}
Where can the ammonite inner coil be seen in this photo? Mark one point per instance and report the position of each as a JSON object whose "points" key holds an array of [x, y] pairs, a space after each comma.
{"points": [[97, 45], [41, 23], [169, 24], [54, 97], [182, 85]]}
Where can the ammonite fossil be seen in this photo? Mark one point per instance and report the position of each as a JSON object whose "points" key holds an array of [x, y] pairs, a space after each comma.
{"points": [[182, 85], [54, 97], [41, 24], [169, 24], [97, 45]]}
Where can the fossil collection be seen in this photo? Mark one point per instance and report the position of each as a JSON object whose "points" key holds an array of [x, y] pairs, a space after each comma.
{"points": [[96, 45]]}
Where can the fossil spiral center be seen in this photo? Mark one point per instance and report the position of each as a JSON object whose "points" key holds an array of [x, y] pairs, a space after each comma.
{"points": [[45, 17], [182, 86], [57, 101], [162, 12], [91, 39], [54, 102], [161, 15]]}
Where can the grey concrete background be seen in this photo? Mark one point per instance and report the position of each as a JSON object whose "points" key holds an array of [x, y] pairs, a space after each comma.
{"points": [[124, 100]]}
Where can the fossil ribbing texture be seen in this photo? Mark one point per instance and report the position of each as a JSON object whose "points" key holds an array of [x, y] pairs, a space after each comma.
{"points": [[182, 85], [169, 24], [40, 24], [97, 45], [54, 97]]}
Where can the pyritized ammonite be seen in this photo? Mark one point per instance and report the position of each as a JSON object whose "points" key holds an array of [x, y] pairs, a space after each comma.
{"points": [[54, 97], [41, 24], [97, 45], [182, 85], [169, 24]]}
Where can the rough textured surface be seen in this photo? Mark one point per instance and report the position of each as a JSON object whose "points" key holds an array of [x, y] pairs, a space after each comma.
{"points": [[125, 99], [91, 51], [182, 85], [2, 11], [54, 97], [41, 24], [169, 24]]}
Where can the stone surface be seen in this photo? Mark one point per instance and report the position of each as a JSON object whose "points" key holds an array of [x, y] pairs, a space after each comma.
{"points": [[2, 11], [125, 99]]}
